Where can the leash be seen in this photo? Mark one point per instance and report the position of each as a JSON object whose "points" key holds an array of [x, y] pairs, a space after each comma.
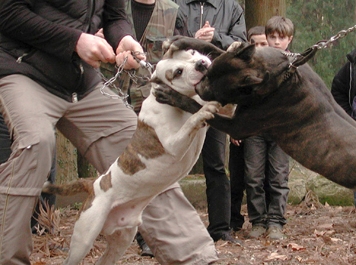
{"points": [[110, 83], [298, 59]]}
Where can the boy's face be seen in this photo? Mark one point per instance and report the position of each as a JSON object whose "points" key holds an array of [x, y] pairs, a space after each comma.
{"points": [[277, 41], [259, 40]]}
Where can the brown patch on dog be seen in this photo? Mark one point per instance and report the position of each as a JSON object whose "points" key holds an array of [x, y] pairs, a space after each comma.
{"points": [[144, 142], [105, 182], [169, 75], [88, 202]]}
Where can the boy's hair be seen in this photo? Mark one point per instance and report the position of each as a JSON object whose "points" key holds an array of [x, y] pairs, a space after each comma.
{"points": [[257, 30], [283, 26]]}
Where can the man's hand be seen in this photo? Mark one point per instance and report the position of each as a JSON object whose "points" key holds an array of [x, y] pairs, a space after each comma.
{"points": [[124, 49], [94, 50], [235, 142], [205, 33]]}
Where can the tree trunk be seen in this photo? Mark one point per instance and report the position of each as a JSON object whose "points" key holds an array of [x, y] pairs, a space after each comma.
{"points": [[257, 12]]}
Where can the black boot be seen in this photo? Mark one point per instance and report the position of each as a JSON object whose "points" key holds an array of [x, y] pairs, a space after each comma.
{"points": [[145, 249]]}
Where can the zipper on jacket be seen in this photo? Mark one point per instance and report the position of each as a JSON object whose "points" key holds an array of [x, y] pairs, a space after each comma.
{"points": [[201, 14], [90, 14], [19, 59], [74, 97]]}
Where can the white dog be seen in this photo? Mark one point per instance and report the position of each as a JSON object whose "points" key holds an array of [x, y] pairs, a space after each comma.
{"points": [[164, 148]]}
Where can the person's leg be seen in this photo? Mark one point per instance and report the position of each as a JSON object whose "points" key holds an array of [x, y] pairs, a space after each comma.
{"points": [[217, 183], [5, 141], [255, 158], [237, 184], [278, 185], [29, 117], [174, 231], [5, 151]]}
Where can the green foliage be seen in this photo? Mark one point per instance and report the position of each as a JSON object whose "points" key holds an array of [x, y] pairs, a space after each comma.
{"points": [[319, 20]]}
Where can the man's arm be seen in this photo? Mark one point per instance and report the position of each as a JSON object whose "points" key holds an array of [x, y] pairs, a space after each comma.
{"points": [[340, 88], [18, 22], [237, 29]]}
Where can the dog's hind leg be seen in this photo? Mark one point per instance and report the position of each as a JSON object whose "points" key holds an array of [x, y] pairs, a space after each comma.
{"points": [[117, 243], [86, 229]]}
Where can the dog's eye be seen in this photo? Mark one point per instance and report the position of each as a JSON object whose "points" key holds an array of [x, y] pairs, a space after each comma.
{"points": [[193, 52], [178, 72]]}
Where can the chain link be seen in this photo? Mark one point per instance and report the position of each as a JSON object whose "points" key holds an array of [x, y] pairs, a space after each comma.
{"points": [[340, 34], [110, 83]]}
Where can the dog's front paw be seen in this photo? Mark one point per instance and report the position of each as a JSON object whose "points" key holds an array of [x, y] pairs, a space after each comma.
{"points": [[168, 42], [210, 108], [163, 94], [166, 95], [207, 112]]}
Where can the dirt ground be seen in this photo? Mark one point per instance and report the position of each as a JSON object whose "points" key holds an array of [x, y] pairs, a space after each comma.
{"points": [[317, 234]]}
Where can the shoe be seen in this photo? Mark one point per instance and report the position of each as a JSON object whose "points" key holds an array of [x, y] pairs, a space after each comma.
{"points": [[274, 232], [227, 236], [146, 251], [257, 231]]}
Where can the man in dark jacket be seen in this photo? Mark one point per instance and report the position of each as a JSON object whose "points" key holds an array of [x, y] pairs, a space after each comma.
{"points": [[343, 88], [220, 22], [47, 78]]}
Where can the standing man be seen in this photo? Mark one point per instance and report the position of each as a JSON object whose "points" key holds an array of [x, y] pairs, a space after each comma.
{"points": [[343, 88], [220, 22]]}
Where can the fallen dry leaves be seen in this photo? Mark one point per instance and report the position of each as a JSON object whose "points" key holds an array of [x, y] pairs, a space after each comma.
{"points": [[317, 234]]}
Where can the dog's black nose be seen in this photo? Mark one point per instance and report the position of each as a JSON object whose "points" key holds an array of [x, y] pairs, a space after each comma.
{"points": [[201, 65]]}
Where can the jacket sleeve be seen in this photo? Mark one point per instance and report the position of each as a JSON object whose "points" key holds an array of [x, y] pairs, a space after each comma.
{"points": [[18, 22], [340, 88], [237, 31], [115, 22]]}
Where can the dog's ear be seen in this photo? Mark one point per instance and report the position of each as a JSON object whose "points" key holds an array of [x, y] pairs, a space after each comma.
{"points": [[251, 80], [244, 51]]}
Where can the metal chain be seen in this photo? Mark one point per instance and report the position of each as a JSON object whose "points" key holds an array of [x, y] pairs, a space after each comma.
{"points": [[110, 83], [340, 34], [297, 59]]}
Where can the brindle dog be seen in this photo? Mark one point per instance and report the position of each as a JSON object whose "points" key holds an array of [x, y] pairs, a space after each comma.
{"points": [[295, 108]]}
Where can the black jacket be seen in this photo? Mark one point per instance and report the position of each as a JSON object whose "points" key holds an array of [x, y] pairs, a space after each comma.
{"points": [[343, 87], [38, 39], [226, 16]]}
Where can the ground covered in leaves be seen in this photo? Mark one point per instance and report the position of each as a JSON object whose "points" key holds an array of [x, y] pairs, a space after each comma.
{"points": [[317, 234]]}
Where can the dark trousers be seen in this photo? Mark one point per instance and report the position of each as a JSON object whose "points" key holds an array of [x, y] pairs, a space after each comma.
{"points": [[237, 184], [266, 164], [5, 142], [217, 183]]}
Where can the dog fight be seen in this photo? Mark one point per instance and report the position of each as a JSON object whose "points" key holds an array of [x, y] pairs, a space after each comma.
{"points": [[145, 91]]}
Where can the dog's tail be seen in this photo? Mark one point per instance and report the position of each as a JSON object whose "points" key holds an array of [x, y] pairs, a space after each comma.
{"points": [[71, 188]]}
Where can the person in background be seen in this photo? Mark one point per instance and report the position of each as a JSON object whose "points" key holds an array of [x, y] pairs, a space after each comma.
{"points": [[220, 22], [343, 88], [266, 164], [255, 35], [153, 22]]}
